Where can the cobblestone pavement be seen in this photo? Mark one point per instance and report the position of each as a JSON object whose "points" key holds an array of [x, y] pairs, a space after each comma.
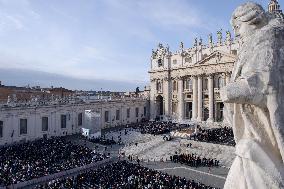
{"points": [[216, 177]]}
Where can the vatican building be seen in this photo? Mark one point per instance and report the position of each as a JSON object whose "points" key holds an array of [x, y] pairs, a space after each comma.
{"points": [[185, 84]]}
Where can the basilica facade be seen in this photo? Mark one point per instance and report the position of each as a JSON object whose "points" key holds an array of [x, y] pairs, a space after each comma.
{"points": [[185, 84]]}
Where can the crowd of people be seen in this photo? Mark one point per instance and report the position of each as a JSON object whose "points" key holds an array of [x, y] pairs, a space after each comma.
{"points": [[22, 162], [194, 161], [156, 128], [103, 141], [126, 175], [223, 135]]}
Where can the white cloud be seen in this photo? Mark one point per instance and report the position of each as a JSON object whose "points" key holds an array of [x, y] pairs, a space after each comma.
{"points": [[8, 22], [109, 42], [171, 13], [14, 15]]}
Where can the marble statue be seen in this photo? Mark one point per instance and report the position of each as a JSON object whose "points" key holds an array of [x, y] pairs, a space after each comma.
{"points": [[210, 39], [181, 45], [254, 99], [228, 36], [219, 36], [195, 42]]}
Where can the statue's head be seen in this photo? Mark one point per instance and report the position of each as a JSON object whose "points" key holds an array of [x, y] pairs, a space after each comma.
{"points": [[247, 18]]}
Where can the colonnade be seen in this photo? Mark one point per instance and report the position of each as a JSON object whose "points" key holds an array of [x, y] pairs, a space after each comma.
{"points": [[197, 97]]}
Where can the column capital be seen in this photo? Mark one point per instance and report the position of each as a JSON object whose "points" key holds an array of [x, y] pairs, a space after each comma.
{"points": [[166, 78], [210, 76], [180, 78], [200, 75], [228, 74], [187, 77], [193, 76]]}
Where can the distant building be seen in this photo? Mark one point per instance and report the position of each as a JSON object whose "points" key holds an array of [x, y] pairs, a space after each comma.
{"points": [[25, 94], [29, 121]]}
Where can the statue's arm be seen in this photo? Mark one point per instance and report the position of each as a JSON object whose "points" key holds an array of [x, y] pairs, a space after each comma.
{"points": [[244, 90]]}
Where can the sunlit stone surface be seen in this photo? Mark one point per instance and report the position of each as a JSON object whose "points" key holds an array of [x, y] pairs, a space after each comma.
{"points": [[255, 98]]}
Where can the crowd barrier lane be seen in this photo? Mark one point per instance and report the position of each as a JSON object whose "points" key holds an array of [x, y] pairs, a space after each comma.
{"points": [[47, 178]]}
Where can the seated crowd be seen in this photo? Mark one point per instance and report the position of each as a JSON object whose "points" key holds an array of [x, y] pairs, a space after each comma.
{"points": [[194, 160], [22, 162], [156, 128], [124, 175], [217, 135], [103, 141]]}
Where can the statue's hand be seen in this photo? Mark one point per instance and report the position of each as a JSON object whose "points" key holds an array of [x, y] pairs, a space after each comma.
{"points": [[235, 92]]}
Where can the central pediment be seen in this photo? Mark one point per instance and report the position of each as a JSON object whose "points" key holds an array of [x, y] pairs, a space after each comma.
{"points": [[217, 57]]}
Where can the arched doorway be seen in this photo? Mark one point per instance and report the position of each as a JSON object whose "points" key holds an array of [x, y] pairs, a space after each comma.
{"points": [[220, 107], [160, 105], [206, 114], [188, 110]]}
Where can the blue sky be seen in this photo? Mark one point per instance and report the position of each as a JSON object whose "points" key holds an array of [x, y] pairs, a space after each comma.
{"points": [[100, 40]]}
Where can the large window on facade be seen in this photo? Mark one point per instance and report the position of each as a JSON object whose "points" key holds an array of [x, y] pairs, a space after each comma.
{"points": [[220, 82], [137, 112], [80, 119], [160, 62], [128, 112], [188, 59], [185, 84], [190, 84], [23, 126], [117, 115], [63, 121], [1, 129], [175, 87], [159, 86], [106, 116], [44, 123], [205, 84]]}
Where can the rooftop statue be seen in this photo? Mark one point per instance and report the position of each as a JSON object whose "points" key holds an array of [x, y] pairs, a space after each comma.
{"points": [[219, 36], [195, 42], [181, 45], [210, 38], [255, 100], [228, 36]]}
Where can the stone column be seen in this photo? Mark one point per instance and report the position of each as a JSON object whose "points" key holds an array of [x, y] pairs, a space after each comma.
{"points": [[152, 99], [199, 104], [194, 98], [180, 100], [167, 95], [211, 98]]}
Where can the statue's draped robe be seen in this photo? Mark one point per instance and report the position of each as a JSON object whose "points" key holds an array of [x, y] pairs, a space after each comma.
{"points": [[256, 102]]}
